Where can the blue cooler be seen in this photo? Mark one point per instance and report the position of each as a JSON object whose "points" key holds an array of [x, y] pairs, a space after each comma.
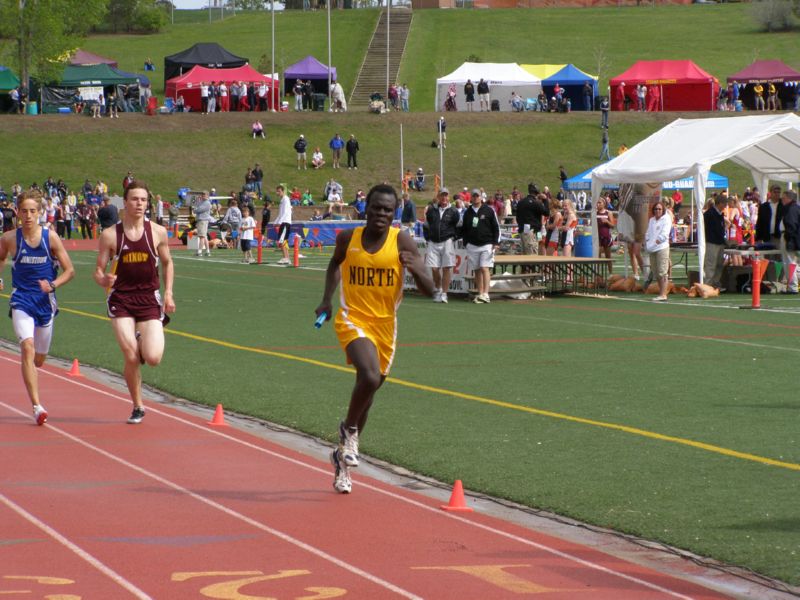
{"points": [[738, 106], [583, 245], [64, 110]]}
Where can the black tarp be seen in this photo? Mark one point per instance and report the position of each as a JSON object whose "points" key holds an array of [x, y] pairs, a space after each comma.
{"points": [[206, 54]]}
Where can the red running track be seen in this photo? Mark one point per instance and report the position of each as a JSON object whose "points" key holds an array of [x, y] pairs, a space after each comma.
{"points": [[91, 507]]}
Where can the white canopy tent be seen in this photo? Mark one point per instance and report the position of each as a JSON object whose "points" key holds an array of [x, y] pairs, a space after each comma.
{"points": [[503, 78], [768, 146]]}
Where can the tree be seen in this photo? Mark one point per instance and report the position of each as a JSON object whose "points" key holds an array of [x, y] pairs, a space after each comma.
{"points": [[44, 31]]}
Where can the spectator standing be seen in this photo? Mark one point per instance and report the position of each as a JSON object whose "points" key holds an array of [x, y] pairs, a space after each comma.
{"points": [[469, 94], [790, 240], [308, 95], [16, 106], [769, 219], [300, 147], [714, 224], [604, 148], [248, 229], [405, 94], [336, 144], [258, 180], [352, 149], [338, 98], [531, 214], [484, 96], [641, 95], [588, 93], [224, 103], [772, 96], [562, 175], [441, 230], [605, 221], [233, 218], [36, 253], [284, 223], [441, 129], [656, 242], [266, 214], [758, 96], [107, 214], [235, 90], [173, 213], [481, 233], [366, 321], [604, 108], [408, 216], [159, 214], [212, 97], [202, 215], [203, 97], [297, 90]]}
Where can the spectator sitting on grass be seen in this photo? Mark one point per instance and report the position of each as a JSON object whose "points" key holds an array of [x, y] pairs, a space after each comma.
{"points": [[307, 199], [317, 159], [258, 130]]}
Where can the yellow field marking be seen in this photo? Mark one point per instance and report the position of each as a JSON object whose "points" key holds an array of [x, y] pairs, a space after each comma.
{"points": [[488, 401]]}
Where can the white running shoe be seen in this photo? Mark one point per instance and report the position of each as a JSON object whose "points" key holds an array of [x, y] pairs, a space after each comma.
{"points": [[486, 299], [443, 298], [283, 261], [348, 445], [39, 414], [341, 475], [437, 296]]}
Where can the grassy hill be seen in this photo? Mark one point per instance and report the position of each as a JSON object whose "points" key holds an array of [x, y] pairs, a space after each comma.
{"points": [[720, 38]]}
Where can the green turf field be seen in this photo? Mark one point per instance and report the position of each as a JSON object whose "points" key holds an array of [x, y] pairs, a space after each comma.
{"points": [[672, 422]]}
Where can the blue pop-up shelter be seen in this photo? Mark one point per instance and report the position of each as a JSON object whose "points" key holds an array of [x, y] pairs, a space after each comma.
{"points": [[572, 79], [583, 181]]}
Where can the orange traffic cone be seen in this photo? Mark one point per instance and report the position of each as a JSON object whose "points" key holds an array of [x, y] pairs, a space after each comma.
{"points": [[457, 503], [75, 371], [219, 417]]}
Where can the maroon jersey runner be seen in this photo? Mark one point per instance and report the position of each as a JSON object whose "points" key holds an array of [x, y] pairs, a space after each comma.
{"points": [[135, 292]]}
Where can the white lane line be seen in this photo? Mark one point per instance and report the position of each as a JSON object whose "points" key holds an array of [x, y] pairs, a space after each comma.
{"points": [[96, 563], [228, 511], [326, 472]]}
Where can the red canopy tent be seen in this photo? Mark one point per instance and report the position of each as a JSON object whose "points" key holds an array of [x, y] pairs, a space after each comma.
{"points": [[783, 76], [188, 84], [673, 85]]}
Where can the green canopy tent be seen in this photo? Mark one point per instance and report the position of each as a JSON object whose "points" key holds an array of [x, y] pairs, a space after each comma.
{"points": [[61, 93], [8, 81]]}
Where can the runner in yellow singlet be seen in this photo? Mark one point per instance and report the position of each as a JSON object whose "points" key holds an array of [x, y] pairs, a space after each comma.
{"points": [[369, 262]]}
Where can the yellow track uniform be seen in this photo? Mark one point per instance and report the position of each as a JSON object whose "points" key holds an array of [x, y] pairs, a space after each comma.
{"points": [[371, 289]]}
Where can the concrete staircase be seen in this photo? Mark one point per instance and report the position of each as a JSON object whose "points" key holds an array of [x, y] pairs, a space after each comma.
{"points": [[372, 76]]}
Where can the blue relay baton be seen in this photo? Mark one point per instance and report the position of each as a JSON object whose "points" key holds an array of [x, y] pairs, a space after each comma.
{"points": [[320, 319]]}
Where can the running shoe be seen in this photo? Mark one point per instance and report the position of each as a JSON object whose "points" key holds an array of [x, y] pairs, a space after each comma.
{"points": [[348, 444], [136, 416], [341, 477], [443, 298], [283, 261], [39, 414], [437, 295]]}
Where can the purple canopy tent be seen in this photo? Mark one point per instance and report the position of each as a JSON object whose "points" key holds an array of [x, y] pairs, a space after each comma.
{"points": [[82, 57], [308, 68]]}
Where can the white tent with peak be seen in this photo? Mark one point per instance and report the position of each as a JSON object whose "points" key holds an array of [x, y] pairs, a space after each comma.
{"points": [[503, 78], [768, 146]]}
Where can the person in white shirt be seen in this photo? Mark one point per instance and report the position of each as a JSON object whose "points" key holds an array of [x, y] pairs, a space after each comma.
{"points": [[248, 227], [284, 223], [203, 97], [223, 97], [159, 210], [656, 242]]}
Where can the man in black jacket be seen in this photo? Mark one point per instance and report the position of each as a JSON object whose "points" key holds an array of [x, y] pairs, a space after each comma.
{"points": [[441, 230], [714, 226], [300, 148], [352, 150], [481, 232], [790, 241], [530, 215], [769, 219]]}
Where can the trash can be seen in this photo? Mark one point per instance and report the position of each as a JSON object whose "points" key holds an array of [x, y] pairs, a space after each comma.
{"points": [[738, 106], [32, 107], [583, 245], [319, 102]]}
